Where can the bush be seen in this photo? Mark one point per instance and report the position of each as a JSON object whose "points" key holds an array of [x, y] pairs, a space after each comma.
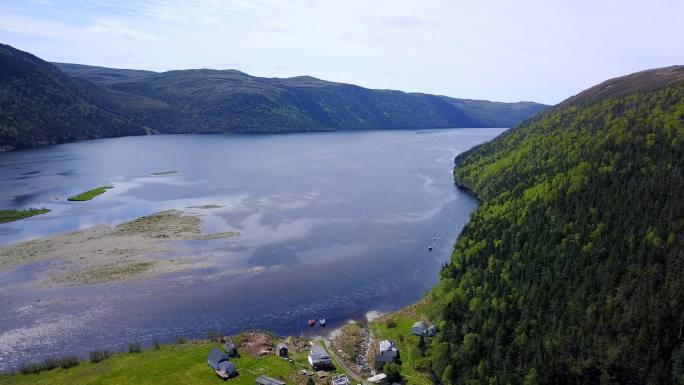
{"points": [[157, 345], [49, 364], [68, 362], [181, 340], [393, 373], [30, 368], [390, 323], [99, 355], [134, 347]]}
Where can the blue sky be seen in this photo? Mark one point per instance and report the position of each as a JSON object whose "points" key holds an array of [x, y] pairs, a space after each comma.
{"points": [[500, 50]]}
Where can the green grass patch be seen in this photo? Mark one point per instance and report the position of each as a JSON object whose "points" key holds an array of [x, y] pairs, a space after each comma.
{"points": [[90, 194], [167, 364], [15, 215]]}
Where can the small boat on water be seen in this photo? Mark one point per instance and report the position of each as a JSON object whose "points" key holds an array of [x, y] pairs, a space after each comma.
{"points": [[429, 248], [434, 238], [312, 322], [321, 322]]}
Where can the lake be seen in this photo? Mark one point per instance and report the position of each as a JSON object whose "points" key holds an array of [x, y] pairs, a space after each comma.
{"points": [[332, 225]]}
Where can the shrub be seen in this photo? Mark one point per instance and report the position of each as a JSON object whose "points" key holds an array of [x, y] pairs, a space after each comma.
{"points": [[99, 355], [134, 347], [30, 368], [390, 323], [393, 373], [181, 340], [49, 364], [157, 345], [67, 362]]}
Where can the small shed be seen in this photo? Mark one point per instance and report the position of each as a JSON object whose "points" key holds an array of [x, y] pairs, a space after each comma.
{"points": [[419, 328], [266, 380], [386, 345], [320, 359], [231, 350], [281, 350]]}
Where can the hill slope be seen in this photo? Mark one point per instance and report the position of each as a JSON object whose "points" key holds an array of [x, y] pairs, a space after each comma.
{"points": [[232, 101], [40, 105], [572, 269]]}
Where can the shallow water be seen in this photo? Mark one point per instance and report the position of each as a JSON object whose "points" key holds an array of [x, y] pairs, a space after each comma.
{"points": [[332, 225]]}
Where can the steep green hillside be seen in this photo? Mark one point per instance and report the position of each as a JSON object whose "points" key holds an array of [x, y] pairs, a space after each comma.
{"points": [[572, 269], [232, 101], [40, 105]]}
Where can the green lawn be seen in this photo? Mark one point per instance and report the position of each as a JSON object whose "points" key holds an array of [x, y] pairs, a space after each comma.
{"points": [[15, 215], [90, 194], [172, 364]]}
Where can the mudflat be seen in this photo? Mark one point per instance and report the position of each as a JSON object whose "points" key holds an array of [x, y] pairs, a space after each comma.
{"points": [[131, 250]]}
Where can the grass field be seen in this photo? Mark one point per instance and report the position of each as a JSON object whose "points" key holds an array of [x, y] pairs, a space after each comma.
{"points": [[171, 364], [90, 194], [15, 215]]}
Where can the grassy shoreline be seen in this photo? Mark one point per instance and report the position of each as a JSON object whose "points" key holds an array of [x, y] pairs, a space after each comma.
{"points": [[15, 215], [180, 363], [90, 194]]}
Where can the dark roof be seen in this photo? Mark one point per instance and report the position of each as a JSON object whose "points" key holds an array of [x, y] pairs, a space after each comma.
{"points": [[385, 357], [266, 380], [216, 356], [227, 366], [318, 354]]}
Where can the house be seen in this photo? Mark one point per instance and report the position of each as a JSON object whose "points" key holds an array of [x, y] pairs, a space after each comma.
{"points": [[388, 353], [340, 380], [419, 328], [221, 364], [231, 350], [281, 350], [320, 359], [266, 380]]}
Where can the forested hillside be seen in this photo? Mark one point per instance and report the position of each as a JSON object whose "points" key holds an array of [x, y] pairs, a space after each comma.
{"points": [[43, 103], [215, 101], [572, 269], [40, 105]]}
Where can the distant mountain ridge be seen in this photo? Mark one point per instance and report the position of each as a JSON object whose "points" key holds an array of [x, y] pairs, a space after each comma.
{"points": [[44, 103]]}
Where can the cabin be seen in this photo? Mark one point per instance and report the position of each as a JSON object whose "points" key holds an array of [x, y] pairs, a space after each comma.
{"points": [[266, 380], [231, 350], [388, 354], [320, 359], [281, 350], [221, 364], [340, 380], [422, 329], [419, 328]]}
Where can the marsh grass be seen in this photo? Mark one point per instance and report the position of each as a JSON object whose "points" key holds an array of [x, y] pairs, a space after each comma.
{"points": [[90, 194]]}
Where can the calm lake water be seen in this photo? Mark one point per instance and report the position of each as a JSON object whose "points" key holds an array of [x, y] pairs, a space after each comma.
{"points": [[333, 225]]}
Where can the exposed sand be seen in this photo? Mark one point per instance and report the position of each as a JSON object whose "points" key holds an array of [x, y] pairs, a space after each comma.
{"points": [[130, 250]]}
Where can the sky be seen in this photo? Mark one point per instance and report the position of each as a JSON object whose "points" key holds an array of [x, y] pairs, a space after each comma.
{"points": [[532, 50]]}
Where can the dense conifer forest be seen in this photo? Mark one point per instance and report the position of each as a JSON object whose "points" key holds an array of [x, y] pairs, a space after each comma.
{"points": [[572, 269]]}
